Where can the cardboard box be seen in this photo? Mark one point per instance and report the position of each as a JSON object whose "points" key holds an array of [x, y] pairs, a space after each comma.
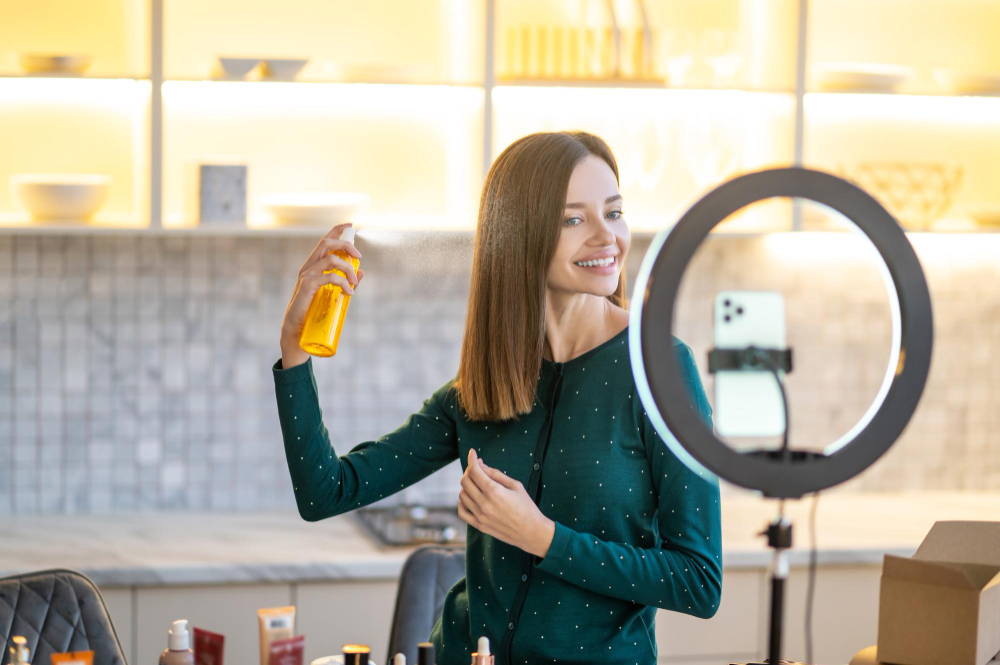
{"points": [[868, 656], [942, 606]]}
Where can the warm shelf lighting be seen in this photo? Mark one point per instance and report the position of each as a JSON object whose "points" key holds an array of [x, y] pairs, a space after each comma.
{"points": [[846, 108], [388, 98], [114, 93]]}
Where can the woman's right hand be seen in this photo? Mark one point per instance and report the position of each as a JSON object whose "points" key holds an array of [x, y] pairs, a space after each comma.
{"points": [[312, 276]]}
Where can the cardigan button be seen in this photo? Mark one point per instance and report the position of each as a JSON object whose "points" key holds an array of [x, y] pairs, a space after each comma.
{"points": [[510, 626], [537, 466], [524, 578]]}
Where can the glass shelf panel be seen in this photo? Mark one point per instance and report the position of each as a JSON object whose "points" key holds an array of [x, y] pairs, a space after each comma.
{"points": [[385, 41], [78, 126], [933, 161], [672, 146], [114, 33], [960, 35], [415, 150], [748, 44]]}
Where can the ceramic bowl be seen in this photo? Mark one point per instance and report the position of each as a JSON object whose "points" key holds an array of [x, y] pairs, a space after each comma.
{"points": [[237, 67], [39, 63], [283, 69], [968, 83], [63, 197], [308, 208], [849, 76]]}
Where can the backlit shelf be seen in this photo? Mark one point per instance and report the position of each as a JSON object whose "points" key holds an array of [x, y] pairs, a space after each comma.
{"points": [[930, 94], [73, 77], [613, 83], [304, 81]]}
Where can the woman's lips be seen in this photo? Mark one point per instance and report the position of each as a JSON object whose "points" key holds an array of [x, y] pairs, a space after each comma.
{"points": [[601, 270]]}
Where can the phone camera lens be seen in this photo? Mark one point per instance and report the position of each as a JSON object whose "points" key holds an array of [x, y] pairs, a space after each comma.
{"points": [[739, 310], [727, 318], [726, 302]]}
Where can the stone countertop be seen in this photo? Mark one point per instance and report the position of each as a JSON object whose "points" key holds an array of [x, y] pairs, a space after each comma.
{"points": [[152, 549]]}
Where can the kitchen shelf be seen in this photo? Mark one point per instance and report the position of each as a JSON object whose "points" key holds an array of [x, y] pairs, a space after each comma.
{"points": [[775, 109], [612, 83], [262, 81], [74, 77]]}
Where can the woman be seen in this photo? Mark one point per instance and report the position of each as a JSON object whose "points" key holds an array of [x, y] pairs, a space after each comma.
{"points": [[582, 522]]}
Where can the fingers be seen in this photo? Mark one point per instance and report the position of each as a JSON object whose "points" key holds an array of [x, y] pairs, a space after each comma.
{"points": [[499, 476], [333, 262], [472, 491], [467, 516], [329, 243], [478, 474], [313, 282]]}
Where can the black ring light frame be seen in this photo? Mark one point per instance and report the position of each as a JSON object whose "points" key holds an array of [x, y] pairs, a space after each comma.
{"points": [[658, 377]]}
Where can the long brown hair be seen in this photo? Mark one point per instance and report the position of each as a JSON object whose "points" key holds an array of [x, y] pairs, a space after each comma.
{"points": [[520, 215]]}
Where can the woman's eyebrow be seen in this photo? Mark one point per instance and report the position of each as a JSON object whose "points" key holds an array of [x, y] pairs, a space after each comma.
{"points": [[616, 197]]}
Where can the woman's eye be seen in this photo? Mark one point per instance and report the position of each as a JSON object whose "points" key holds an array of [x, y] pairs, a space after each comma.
{"points": [[570, 220], [616, 213]]}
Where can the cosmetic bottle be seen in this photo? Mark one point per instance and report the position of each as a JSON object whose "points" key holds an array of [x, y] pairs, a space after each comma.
{"points": [[356, 654], [19, 652], [425, 654], [325, 318], [178, 651], [482, 655]]}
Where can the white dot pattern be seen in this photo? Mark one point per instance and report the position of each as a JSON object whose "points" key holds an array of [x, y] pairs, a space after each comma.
{"points": [[614, 520]]}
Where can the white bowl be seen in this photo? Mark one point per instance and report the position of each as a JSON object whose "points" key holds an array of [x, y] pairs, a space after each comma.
{"points": [[237, 67], [322, 208], [848, 76], [283, 69], [64, 197], [985, 214], [39, 63], [968, 83]]}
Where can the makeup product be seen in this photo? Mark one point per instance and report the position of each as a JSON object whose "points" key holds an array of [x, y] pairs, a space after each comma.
{"points": [[73, 658], [208, 647], [222, 194], [276, 623], [178, 651], [356, 654], [425, 653], [482, 655], [399, 659], [325, 318], [288, 652], [19, 651]]}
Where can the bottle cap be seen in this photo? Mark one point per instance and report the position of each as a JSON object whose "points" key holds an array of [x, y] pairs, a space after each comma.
{"points": [[425, 653], [348, 234], [178, 638], [19, 652], [399, 659], [483, 648]]}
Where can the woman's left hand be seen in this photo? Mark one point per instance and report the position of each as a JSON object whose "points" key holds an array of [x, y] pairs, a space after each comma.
{"points": [[499, 506]]}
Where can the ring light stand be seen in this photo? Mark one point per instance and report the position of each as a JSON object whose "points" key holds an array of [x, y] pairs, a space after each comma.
{"points": [[783, 473]]}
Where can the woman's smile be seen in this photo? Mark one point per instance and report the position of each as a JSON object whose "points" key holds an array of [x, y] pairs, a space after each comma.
{"points": [[610, 269]]}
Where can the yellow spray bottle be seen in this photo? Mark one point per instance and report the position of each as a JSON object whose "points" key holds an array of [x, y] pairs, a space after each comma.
{"points": [[325, 318]]}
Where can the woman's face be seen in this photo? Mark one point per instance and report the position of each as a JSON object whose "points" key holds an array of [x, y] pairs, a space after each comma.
{"points": [[592, 228]]}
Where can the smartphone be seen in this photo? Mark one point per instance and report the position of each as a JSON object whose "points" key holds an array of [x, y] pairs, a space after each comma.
{"points": [[748, 402]]}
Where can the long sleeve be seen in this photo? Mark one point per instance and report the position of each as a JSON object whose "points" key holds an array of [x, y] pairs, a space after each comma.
{"points": [[326, 484], [684, 572]]}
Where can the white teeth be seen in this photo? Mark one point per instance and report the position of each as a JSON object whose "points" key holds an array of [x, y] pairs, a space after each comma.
{"points": [[599, 262]]}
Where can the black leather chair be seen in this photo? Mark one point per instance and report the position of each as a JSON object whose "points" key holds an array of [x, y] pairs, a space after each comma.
{"points": [[57, 611], [427, 575]]}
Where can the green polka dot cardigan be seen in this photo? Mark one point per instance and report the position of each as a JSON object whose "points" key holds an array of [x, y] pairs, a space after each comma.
{"points": [[636, 529]]}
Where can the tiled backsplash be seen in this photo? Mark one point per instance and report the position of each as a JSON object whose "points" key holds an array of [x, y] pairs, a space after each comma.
{"points": [[135, 372]]}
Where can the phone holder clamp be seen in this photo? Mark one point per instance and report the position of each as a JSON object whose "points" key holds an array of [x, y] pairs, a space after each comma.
{"points": [[746, 359]]}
